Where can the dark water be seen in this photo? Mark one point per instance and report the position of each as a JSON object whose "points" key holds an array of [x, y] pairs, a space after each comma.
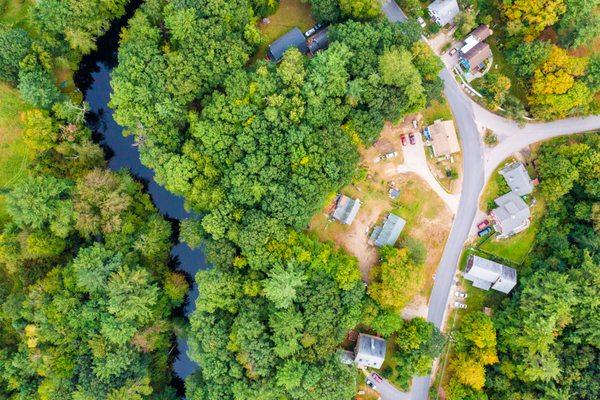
{"points": [[93, 79]]}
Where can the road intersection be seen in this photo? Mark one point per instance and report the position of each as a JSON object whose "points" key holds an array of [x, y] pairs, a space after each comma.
{"points": [[478, 165]]}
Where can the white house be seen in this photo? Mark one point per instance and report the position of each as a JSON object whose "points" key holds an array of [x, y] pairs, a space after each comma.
{"points": [[486, 274], [370, 351], [443, 11]]}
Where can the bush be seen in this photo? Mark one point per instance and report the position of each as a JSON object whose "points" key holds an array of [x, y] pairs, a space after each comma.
{"points": [[490, 138], [452, 174]]}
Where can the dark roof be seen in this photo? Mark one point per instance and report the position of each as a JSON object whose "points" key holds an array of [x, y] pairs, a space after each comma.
{"points": [[482, 32], [294, 38], [478, 54], [318, 41]]}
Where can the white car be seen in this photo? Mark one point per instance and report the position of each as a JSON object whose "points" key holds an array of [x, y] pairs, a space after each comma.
{"points": [[462, 295], [415, 124], [458, 304], [389, 155], [421, 22]]}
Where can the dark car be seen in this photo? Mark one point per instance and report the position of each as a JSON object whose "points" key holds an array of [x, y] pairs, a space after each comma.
{"points": [[403, 139], [377, 378], [411, 137], [485, 231], [370, 384]]}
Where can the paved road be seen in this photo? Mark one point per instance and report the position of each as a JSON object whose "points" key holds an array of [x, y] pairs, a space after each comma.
{"points": [[477, 168]]}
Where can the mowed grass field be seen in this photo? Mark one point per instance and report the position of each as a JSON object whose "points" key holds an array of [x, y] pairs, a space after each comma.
{"points": [[13, 153], [291, 13]]}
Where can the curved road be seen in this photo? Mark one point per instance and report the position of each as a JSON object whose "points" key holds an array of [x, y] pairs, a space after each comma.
{"points": [[478, 165]]}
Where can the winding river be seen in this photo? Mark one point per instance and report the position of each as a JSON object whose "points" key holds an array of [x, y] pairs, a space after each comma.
{"points": [[93, 79]]}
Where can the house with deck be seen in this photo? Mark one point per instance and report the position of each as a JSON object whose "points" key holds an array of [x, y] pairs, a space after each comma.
{"points": [[486, 274]]}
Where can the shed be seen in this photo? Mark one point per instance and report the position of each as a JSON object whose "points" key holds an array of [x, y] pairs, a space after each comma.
{"points": [[443, 11], [318, 41], [370, 351], [517, 178], [486, 274], [443, 138], [477, 55], [347, 357], [345, 209], [293, 38], [511, 216], [388, 233]]}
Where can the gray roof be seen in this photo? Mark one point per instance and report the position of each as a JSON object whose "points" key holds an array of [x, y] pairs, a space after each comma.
{"points": [[346, 209], [512, 212], [318, 41], [293, 38], [486, 273], [346, 357], [389, 232], [370, 350], [482, 32], [517, 178], [444, 11]]}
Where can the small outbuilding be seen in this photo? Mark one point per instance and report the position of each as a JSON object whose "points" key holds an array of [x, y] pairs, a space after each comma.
{"points": [[370, 351], [511, 216], [293, 38], [443, 12], [517, 178], [444, 141], [345, 209], [486, 274], [347, 357], [388, 233]]}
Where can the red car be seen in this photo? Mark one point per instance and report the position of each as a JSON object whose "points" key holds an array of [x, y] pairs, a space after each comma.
{"points": [[403, 139], [411, 137], [483, 224], [377, 378]]}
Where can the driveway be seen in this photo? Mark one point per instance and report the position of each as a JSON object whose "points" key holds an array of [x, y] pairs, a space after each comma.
{"points": [[415, 161], [392, 11]]}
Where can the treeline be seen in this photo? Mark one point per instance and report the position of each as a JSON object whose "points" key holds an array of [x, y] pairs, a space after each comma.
{"points": [[537, 37], [255, 149], [87, 297]]}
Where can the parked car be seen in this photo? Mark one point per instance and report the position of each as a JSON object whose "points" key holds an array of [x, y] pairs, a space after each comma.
{"points": [[458, 304], [377, 378], [312, 30], [403, 139], [415, 124], [483, 224], [485, 231], [371, 384], [421, 22], [453, 51], [411, 138], [460, 294], [389, 155]]}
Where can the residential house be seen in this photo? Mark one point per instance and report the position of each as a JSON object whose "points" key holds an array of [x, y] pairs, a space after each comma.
{"points": [[444, 141], [443, 11], [388, 233], [486, 274], [517, 178], [369, 351], [480, 33], [345, 209], [474, 58], [293, 38], [511, 216]]}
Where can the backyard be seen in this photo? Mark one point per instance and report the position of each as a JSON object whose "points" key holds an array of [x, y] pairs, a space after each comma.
{"points": [[291, 13]]}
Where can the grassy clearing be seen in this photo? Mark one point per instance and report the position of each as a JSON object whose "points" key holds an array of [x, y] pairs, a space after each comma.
{"points": [[435, 111], [291, 13], [495, 187], [13, 154], [502, 66]]}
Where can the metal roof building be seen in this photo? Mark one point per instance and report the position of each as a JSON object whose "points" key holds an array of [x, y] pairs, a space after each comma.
{"points": [[486, 274], [517, 178], [293, 38], [345, 209], [388, 233], [370, 351]]}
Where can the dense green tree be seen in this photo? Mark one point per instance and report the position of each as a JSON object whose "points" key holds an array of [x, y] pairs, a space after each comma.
{"points": [[14, 46], [580, 23]]}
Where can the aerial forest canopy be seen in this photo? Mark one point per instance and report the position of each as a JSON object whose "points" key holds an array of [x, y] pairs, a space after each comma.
{"points": [[255, 148], [87, 296]]}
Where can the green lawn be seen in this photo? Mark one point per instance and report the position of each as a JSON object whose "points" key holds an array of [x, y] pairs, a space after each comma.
{"points": [[495, 187], [13, 154], [291, 13], [437, 111]]}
